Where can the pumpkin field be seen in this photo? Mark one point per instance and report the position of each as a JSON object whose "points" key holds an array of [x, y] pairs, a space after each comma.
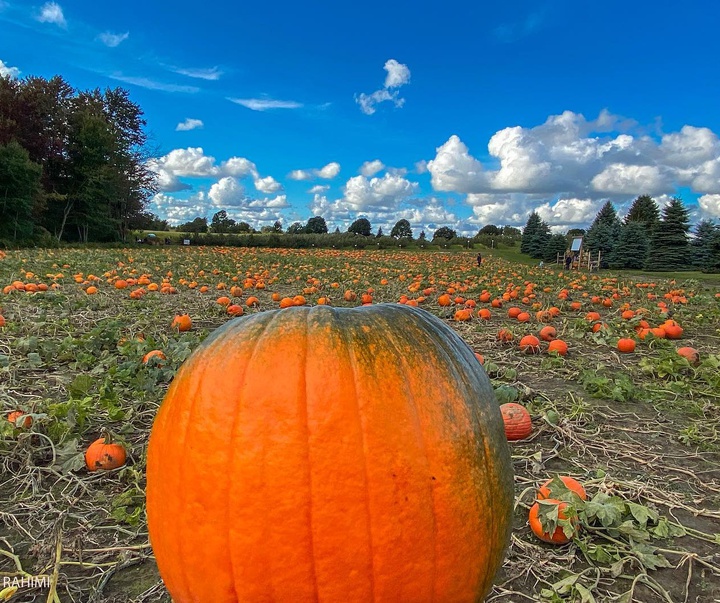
{"points": [[620, 376]]}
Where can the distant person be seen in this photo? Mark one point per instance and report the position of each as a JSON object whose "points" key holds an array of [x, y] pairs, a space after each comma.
{"points": [[568, 259], [479, 259]]}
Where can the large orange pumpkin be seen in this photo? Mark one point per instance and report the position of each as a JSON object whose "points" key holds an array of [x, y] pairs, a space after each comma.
{"points": [[363, 458]]}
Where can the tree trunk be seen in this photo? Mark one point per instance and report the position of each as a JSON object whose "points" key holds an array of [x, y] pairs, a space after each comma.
{"points": [[66, 213]]}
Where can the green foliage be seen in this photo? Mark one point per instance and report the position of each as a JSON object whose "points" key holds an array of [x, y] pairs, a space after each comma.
{"points": [[401, 230], [669, 243], [556, 244], [19, 187], [535, 237], [444, 232], [644, 211], [603, 233], [361, 226], [316, 225], [631, 249]]}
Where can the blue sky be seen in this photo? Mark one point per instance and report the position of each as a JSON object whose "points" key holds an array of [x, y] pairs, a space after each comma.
{"points": [[457, 114]]}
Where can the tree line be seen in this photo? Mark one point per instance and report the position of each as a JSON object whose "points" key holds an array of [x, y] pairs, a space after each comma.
{"points": [[401, 233], [72, 163], [647, 238]]}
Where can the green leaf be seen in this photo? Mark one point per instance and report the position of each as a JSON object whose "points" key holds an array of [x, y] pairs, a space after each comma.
{"points": [[80, 386], [552, 417], [34, 360], [642, 513]]}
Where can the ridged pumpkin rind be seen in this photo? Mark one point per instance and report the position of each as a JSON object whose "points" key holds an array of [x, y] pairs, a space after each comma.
{"points": [[334, 455]]}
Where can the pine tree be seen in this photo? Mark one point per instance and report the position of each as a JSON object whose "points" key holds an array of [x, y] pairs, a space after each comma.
{"points": [[557, 243], [713, 264], [632, 247], [645, 210], [603, 233], [669, 245], [700, 245], [535, 237]]}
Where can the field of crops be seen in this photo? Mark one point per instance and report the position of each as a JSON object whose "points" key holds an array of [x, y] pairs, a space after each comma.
{"points": [[622, 411]]}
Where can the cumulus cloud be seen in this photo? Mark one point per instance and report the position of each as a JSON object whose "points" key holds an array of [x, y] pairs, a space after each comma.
{"points": [[265, 104], [192, 162], [267, 185], [710, 205], [227, 192], [319, 189], [51, 12], [7, 71], [579, 164], [112, 40], [189, 124], [327, 172], [370, 168], [398, 75]]}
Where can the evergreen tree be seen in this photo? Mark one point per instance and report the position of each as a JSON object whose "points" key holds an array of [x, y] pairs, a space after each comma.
{"points": [[379, 233], [557, 243], [19, 188], [713, 262], [645, 210], [361, 226], [603, 233], [632, 247], [669, 245], [422, 236], [401, 230], [535, 236], [700, 245]]}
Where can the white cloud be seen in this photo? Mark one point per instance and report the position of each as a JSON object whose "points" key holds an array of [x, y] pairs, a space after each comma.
{"points": [[238, 167], [227, 192], [569, 157], [319, 189], [421, 166], [151, 84], [7, 71], [398, 75], [264, 104], [192, 162], [112, 40], [51, 12], [710, 206], [370, 168], [622, 179], [189, 124], [454, 169], [212, 73], [267, 185], [327, 172]]}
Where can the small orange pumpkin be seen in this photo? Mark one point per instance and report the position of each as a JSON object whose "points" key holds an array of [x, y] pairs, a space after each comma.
{"points": [[570, 483], [626, 345], [692, 355], [14, 417], [518, 423], [558, 536], [154, 354], [182, 322], [559, 346], [104, 454], [530, 344]]}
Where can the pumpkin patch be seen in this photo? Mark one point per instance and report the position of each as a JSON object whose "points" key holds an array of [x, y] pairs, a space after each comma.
{"points": [[350, 400]]}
